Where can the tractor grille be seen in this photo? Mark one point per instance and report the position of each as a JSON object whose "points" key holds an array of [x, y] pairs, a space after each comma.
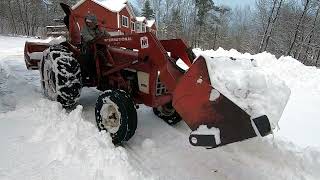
{"points": [[161, 89]]}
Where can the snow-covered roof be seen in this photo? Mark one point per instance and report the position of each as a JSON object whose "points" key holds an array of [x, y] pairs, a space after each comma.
{"points": [[78, 4], [141, 19], [150, 23], [112, 5]]}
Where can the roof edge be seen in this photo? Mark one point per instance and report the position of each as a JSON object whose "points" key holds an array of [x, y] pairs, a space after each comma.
{"points": [[96, 2]]}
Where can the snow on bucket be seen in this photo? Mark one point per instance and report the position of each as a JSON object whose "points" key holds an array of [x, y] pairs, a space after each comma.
{"points": [[253, 90]]}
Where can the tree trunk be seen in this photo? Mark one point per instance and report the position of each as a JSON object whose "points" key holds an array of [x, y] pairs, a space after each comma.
{"points": [[298, 27], [311, 34], [318, 58], [273, 22], [21, 17], [26, 17], [199, 37], [267, 28], [12, 18], [215, 38]]}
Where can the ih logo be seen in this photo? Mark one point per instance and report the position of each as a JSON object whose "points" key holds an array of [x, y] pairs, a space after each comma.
{"points": [[144, 42]]}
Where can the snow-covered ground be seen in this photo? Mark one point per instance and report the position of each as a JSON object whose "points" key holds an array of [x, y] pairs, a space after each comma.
{"points": [[40, 140]]}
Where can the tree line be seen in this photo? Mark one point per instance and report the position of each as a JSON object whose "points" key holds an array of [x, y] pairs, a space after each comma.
{"points": [[29, 17], [281, 27]]}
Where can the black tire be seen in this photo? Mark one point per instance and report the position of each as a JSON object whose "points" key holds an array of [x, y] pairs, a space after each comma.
{"points": [[116, 107], [167, 113], [60, 76], [131, 108]]}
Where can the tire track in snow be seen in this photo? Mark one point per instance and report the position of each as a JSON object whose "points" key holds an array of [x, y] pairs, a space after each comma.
{"points": [[16, 82], [136, 161], [166, 151]]}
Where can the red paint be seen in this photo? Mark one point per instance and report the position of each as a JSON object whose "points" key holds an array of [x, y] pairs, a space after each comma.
{"points": [[106, 18], [124, 12], [153, 28]]}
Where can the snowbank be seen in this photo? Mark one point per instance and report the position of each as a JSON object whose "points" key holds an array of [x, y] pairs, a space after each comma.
{"points": [[291, 71], [67, 146], [77, 146]]}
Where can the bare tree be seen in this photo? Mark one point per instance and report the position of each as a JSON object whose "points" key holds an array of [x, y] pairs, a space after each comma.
{"points": [[307, 40], [272, 27], [301, 20], [268, 25]]}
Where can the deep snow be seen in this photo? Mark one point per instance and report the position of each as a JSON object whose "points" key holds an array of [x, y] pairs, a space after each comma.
{"points": [[40, 140]]}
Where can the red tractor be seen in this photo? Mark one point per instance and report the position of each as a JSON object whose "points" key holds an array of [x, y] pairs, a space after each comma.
{"points": [[140, 69]]}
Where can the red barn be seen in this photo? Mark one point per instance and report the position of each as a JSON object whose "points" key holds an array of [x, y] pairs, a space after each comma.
{"points": [[116, 16]]}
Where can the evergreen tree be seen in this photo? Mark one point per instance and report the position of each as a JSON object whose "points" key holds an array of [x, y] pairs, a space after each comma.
{"points": [[203, 8], [147, 11]]}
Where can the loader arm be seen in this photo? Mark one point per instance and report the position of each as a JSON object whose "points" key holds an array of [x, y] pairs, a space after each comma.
{"points": [[151, 49]]}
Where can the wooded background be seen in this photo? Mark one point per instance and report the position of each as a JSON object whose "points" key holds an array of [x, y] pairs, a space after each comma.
{"points": [[281, 27]]}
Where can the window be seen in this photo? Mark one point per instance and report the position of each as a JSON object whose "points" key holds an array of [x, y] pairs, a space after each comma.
{"points": [[138, 27], [125, 21], [133, 27], [143, 27]]}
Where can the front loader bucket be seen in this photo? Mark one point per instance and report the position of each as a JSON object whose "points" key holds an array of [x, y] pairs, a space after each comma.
{"points": [[199, 103]]}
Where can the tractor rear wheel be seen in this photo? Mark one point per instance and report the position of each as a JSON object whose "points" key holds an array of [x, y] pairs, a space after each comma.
{"points": [[167, 113], [116, 114], [60, 76]]}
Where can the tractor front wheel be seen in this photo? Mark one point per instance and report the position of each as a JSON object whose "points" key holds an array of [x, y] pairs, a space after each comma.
{"points": [[116, 114], [167, 113], [60, 76]]}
